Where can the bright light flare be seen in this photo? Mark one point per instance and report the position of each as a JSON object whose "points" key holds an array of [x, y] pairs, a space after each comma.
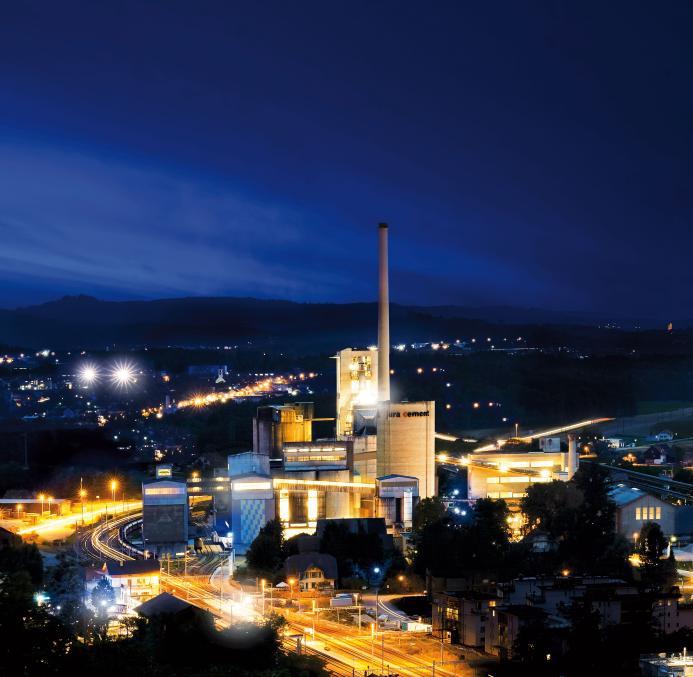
{"points": [[88, 374], [123, 375]]}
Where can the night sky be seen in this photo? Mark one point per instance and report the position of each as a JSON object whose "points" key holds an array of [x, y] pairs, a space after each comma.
{"points": [[526, 154]]}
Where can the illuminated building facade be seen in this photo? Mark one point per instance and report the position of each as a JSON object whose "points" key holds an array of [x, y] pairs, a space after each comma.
{"points": [[315, 484], [357, 385], [396, 497], [406, 442], [275, 425], [506, 473], [165, 514]]}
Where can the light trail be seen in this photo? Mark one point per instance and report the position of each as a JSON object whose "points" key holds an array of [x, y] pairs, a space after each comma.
{"points": [[75, 519], [348, 651], [260, 387], [494, 446]]}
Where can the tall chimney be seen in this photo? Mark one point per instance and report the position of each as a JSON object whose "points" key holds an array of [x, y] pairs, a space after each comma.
{"points": [[383, 318]]}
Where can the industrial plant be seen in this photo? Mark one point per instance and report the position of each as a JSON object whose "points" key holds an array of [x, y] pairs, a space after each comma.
{"points": [[380, 462]]}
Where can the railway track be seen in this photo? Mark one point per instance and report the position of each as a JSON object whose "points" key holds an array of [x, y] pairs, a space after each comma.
{"points": [[106, 543]]}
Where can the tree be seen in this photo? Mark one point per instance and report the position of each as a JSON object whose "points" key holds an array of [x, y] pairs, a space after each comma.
{"points": [[102, 596], [655, 569], [22, 557], [449, 547], [580, 518], [356, 553], [552, 507], [267, 552], [64, 585], [426, 512]]}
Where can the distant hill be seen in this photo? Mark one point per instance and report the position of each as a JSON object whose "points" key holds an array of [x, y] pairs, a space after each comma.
{"points": [[87, 322]]}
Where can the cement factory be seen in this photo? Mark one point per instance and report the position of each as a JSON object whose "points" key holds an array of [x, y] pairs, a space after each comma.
{"points": [[379, 464]]}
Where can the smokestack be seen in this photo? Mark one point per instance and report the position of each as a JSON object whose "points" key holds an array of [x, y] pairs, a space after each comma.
{"points": [[383, 317]]}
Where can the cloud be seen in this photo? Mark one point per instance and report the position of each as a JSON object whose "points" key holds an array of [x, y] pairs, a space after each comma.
{"points": [[91, 222], [145, 230]]}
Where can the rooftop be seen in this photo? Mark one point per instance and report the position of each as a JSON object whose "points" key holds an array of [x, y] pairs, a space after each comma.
{"points": [[622, 494], [165, 603], [307, 560]]}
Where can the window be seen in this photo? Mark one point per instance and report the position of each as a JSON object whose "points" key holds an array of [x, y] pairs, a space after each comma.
{"points": [[638, 514], [658, 514], [164, 491]]}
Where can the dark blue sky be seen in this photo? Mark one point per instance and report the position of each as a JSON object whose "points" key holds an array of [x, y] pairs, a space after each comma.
{"points": [[530, 154]]}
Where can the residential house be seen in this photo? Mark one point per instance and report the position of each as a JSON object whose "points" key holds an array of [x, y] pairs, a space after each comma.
{"points": [[635, 507], [312, 570], [133, 581]]}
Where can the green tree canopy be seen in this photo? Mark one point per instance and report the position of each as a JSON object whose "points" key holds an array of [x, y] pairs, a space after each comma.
{"points": [[426, 512], [266, 553]]}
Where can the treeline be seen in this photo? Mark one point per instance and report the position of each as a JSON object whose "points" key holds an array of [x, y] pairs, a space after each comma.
{"points": [[46, 629]]}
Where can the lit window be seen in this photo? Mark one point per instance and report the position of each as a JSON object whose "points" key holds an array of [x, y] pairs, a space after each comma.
{"points": [[638, 514], [164, 491], [658, 513]]}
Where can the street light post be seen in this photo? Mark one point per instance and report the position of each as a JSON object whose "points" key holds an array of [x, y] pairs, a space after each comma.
{"points": [[82, 494], [114, 486], [263, 583], [50, 500], [41, 498]]}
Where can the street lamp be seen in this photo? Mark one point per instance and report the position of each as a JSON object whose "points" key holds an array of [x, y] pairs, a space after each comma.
{"points": [[19, 509], [82, 494], [291, 582], [114, 486], [50, 500], [41, 498], [263, 582]]}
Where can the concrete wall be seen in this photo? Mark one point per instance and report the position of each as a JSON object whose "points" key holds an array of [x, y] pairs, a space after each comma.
{"points": [[406, 442]]}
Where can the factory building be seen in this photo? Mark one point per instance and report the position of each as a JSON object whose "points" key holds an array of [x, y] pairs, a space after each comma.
{"points": [[249, 501], [365, 458], [406, 442], [508, 472], [319, 456], [357, 386], [380, 462], [315, 483], [273, 426], [396, 497], [165, 514]]}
